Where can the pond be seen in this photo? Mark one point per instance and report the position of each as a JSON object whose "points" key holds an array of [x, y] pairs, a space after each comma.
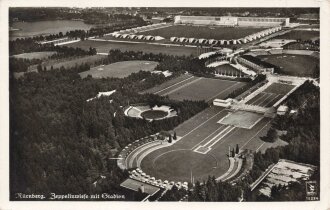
{"points": [[28, 29]]}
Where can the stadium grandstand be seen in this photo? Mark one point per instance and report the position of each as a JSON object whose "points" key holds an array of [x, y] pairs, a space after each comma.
{"points": [[231, 21], [256, 64]]}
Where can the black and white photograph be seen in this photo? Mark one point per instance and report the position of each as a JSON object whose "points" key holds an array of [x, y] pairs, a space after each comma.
{"points": [[165, 104]]}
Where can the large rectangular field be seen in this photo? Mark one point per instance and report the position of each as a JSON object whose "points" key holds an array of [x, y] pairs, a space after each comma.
{"points": [[295, 65], [106, 46], [120, 69], [270, 95], [69, 63], [300, 34], [206, 32], [35, 55], [196, 88]]}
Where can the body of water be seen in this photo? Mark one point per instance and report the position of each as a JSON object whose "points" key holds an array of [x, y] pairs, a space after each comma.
{"points": [[28, 29]]}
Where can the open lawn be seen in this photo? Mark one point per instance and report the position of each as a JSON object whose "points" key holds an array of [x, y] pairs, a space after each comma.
{"points": [[302, 35], [35, 55], [178, 161], [105, 47], [154, 114], [206, 32], [295, 65], [241, 119], [68, 63], [196, 88], [120, 69]]}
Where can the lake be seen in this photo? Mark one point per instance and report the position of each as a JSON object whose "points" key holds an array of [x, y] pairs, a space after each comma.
{"points": [[28, 29]]}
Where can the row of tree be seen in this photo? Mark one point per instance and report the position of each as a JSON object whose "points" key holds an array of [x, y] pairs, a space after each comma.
{"points": [[259, 78]]}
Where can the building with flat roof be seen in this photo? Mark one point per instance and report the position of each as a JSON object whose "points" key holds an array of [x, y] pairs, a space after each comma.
{"points": [[232, 21]]}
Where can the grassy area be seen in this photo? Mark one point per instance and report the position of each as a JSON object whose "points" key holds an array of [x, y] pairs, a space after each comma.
{"points": [[178, 161], [173, 82], [70, 62], [302, 35], [241, 119], [206, 32], [187, 87], [120, 69], [105, 47], [295, 65], [35, 55], [279, 88], [203, 89], [154, 114]]}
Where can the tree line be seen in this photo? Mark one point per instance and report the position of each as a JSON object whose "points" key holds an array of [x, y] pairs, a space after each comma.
{"points": [[61, 143]]}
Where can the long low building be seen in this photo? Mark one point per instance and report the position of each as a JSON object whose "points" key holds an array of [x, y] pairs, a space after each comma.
{"points": [[256, 64], [232, 21]]}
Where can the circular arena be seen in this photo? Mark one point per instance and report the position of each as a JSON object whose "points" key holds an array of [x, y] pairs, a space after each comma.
{"points": [[150, 113]]}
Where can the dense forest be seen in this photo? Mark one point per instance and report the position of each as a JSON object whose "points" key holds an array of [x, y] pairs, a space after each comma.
{"points": [[89, 15], [61, 143]]}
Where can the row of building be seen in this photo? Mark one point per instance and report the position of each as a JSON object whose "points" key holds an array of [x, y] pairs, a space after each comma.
{"points": [[232, 21], [256, 64], [131, 32], [215, 42], [137, 37]]}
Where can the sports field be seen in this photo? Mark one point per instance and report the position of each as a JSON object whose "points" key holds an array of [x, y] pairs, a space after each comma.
{"points": [[202, 148], [206, 32], [295, 65], [68, 63], [35, 55], [302, 35], [270, 95], [153, 114], [105, 47], [119, 69], [188, 87]]}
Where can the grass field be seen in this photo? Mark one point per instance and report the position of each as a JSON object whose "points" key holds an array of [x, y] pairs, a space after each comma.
{"points": [[154, 114], [178, 161], [120, 69], [241, 119], [205, 32], [105, 47], [303, 35], [68, 63], [35, 55], [295, 65], [196, 88], [270, 95]]}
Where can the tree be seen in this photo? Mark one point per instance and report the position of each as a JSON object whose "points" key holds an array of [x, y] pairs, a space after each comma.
{"points": [[237, 149], [271, 135], [39, 68], [170, 139], [233, 152]]}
